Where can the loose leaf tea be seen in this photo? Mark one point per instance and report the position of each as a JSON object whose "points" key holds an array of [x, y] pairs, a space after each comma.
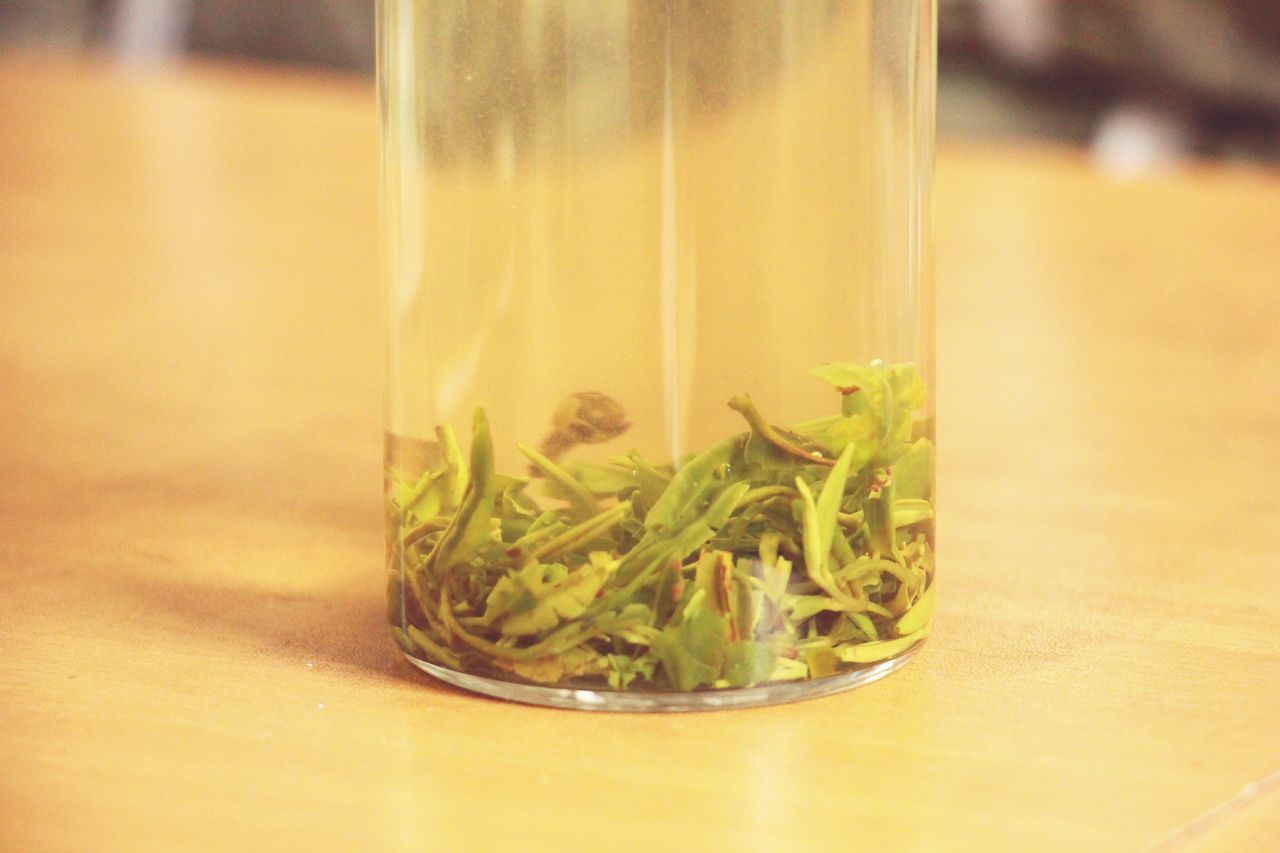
{"points": [[778, 554]]}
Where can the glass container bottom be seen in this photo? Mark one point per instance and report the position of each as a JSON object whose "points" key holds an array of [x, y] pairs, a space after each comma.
{"points": [[705, 700]]}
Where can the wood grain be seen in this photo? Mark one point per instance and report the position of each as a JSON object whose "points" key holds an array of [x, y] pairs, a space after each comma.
{"points": [[193, 645]]}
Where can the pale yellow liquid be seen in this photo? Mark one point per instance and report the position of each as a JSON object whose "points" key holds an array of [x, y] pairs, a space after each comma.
{"points": [[670, 203]]}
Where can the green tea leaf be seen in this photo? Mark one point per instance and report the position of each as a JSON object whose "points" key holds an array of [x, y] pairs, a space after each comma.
{"points": [[692, 653], [749, 662], [582, 533], [470, 526], [801, 608], [862, 432], [668, 591], [563, 482], [602, 480], [421, 500], [533, 599], [884, 388], [820, 524], [651, 481], [789, 669], [770, 447], [455, 476], [876, 412], [577, 662], [624, 670], [878, 651], [909, 512], [913, 472], [864, 624], [644, 559], [917, 618], [822, 661], [433, 650], [877, 513], [689, 486]]}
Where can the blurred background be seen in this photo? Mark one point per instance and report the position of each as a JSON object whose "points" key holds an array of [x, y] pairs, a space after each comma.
{"points": [[1143, 84]]}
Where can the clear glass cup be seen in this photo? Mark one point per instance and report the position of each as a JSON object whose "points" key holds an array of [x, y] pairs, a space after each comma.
{"points": [[660, 345]]}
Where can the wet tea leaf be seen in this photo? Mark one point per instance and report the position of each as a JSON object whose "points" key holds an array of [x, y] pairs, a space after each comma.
{"points": [[780, 553]]}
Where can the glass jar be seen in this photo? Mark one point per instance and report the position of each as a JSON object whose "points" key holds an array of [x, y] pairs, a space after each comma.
{"points": [[660, 355]]}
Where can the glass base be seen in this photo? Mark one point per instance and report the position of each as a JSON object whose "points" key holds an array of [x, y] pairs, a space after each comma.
{"points": [[703, 700]]}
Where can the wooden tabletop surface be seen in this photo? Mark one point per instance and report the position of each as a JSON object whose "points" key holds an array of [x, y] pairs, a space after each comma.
{"points": [[193, 644]]}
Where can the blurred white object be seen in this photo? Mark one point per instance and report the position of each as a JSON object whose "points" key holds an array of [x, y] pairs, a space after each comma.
{"points": [[1133, 139], [1025, 31], [149, 30]]}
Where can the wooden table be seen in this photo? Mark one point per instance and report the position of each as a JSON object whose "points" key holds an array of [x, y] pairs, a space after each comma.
{"points": [[194, 653]]}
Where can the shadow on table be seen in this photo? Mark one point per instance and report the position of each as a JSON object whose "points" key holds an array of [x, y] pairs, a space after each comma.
{"points": [[342, 627]]}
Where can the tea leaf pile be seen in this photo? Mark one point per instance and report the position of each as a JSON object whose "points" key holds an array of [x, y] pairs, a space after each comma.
{"points": [[780, 553]]}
